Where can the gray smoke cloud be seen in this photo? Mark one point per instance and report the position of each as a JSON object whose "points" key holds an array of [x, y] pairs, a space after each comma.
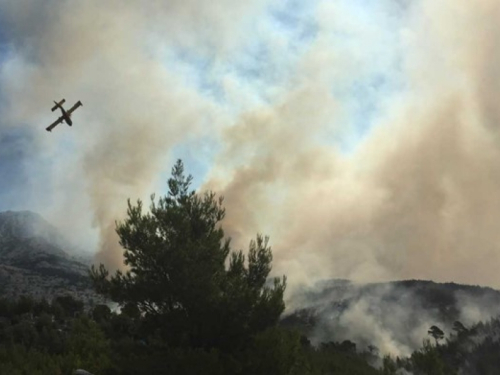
{"points": [[136, 107], [418, 197], [415, 197], [365, 143]]}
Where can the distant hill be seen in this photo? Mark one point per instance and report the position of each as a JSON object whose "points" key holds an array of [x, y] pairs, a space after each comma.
{"points": [[33, 259], [393, 316]]}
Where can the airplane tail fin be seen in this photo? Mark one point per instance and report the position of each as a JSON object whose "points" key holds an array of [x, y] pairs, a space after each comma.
{"points": [[58, 104]]}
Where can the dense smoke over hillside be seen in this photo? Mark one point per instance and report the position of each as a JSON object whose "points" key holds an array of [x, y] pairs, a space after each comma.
{"points": [[394, 317], [363, 139]]}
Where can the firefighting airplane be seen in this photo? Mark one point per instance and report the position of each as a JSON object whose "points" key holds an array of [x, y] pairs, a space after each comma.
{"points": [[66, 115]]}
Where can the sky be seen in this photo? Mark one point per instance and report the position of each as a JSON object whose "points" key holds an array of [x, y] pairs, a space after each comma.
{"points": [[361, 136]]}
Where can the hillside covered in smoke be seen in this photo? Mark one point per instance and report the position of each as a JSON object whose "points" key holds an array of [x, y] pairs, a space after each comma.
{"points": [[394, 317], [37, 261]]}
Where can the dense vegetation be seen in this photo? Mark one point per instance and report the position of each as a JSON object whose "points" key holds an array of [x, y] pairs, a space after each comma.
{"points": [[38, 337], [189, 304], [471, 351]]}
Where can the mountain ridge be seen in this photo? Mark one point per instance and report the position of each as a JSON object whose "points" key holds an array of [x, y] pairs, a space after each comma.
{"points": [[34, 260]]}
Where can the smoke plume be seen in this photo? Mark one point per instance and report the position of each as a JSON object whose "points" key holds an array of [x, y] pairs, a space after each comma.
{"points": [[418, 195], [135, 108], [363, 141]]}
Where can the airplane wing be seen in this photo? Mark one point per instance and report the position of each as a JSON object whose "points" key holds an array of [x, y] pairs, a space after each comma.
{"points": [[54, 124], [78, 104], [60, 103]]}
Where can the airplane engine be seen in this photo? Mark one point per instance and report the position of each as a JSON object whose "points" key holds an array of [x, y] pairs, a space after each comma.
{"points": [[60, 103]]}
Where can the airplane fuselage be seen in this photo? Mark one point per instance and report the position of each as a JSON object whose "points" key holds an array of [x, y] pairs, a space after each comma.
{"points": [[66, 116]]}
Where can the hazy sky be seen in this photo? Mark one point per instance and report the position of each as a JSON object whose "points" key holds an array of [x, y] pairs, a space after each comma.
{"points": [[362, 136]]}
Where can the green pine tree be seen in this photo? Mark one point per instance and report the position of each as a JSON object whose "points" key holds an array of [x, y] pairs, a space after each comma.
{"points": [[182, 275]]}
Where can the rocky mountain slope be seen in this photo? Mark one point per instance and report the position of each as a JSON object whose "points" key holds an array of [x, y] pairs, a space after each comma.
{"points": [[33, 259]]}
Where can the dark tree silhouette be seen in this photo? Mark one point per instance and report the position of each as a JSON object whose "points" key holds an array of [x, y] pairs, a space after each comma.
{"points": [[184, 278], [436, 333]]}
